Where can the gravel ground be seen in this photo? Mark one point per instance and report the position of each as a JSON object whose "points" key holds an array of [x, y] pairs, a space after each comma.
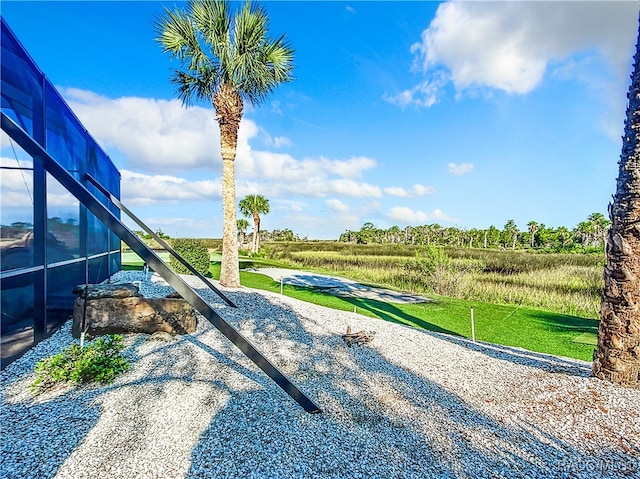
{"points": [[410, 404]]}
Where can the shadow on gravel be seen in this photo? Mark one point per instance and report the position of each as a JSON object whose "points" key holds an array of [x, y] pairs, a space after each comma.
{"points": [[379, 419], [197, 408], [39, 436]]}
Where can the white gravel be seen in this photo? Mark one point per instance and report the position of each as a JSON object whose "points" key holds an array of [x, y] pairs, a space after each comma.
{"points": [[410, 404]]}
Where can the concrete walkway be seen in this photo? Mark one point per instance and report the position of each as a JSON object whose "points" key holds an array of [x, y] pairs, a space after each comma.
{"points": [[336, 285]]}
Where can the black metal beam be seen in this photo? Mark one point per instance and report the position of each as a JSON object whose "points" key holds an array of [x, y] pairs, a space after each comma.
{"points": [[157, 238], [136, 244]]}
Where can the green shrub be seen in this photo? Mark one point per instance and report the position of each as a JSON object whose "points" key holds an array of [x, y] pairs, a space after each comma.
{"points": [[194, 251], [438, 272], [99, 361]]}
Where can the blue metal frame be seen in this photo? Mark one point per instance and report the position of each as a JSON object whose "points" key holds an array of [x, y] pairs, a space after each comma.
{"points": [[36, 283]]}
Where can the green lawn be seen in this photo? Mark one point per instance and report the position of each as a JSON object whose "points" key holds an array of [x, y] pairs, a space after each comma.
{"points": [[531, 329], [526, 328]]}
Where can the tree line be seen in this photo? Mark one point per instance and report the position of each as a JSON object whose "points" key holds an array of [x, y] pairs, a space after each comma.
{"points": [[588, 235]]}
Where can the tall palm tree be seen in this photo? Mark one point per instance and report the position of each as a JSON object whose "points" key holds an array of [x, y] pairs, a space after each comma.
{"points": [[617, 357], [228, 60], [254, 206]]}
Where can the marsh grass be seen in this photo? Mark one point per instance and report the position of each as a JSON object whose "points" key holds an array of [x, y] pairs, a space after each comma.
{"points": [[561, 283]]}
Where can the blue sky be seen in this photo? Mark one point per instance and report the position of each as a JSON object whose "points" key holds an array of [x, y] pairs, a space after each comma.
{"points": [[463, 114]]}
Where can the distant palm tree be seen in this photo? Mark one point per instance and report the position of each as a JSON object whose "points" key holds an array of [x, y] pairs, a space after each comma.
{"points": [[617, 356], [242, 229], [254, 206], [511, 233], [563, 233], [533, 228], [600, 226], [228, 60]]}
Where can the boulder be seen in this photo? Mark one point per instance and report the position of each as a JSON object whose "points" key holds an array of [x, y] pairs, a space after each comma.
{"points": [[119, 308], [98, 291]]}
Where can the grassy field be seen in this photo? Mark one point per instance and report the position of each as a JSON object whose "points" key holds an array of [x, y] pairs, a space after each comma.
{"points": [[561, 283], [527, 328], [532, 328]]}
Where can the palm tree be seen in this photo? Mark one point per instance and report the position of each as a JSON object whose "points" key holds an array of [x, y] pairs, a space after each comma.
{"points": [[533, 227], [511, 233], [584, 231], [600, 225], [393, 234], [242, 229], [617, 356], [563, 233], [254, 206], [230, 61]]}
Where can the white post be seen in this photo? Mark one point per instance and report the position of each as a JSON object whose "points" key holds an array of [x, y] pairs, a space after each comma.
{"points": [[281, 278], [473, 327], [82, 339], [354, 308]]}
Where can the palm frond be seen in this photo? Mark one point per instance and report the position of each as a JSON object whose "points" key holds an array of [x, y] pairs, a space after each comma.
{"points": [[215, 48]]}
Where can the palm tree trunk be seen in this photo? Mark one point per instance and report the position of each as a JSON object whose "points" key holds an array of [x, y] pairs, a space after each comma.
{"points": [[256, 232], [229, 269], [617, 357], [228, 106]]}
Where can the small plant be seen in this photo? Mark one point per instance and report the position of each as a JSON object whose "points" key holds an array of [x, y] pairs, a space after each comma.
{"points": [[99, 361], [438, 272], [194, 251]]}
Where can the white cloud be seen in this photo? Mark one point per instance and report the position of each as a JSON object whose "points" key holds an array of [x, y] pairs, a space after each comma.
{"points": [[352, 188], [274, 141], [59, 197], [337, 206], [438, 214], [185, 223], [281, 141], [141, 189], [276, 107], [17, 189], [17, 185], [284, 167], [461, 169], [351, 168], [425, 94], [407, 216], [509, 45], [416, 190], [293, 207], [155, 135], [280, 174], [159, 137]]}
